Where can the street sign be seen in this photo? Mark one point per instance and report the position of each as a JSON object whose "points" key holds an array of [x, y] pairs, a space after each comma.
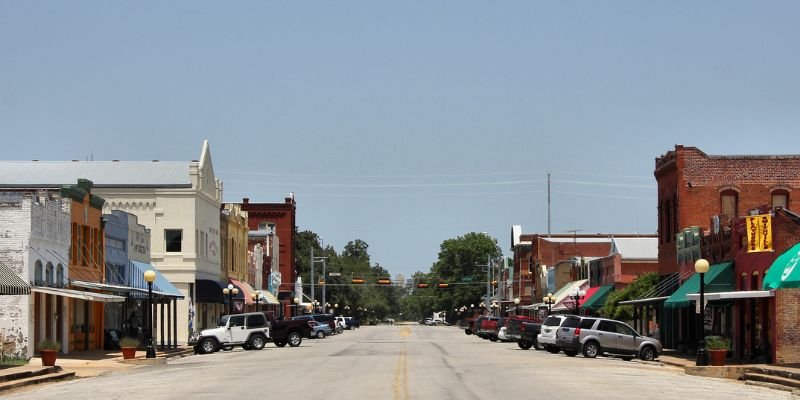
{"points": [[334, 274]]}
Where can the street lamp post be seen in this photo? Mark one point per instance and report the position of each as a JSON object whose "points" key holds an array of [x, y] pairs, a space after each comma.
{"points": [[296, 305], [701, 267], [577, 296], [516, 306], [150, 277], [257, 298], [230, 291], [549, 300]]}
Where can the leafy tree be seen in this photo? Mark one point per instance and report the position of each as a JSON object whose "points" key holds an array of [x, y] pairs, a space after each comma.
{"points": [[641, 286]]}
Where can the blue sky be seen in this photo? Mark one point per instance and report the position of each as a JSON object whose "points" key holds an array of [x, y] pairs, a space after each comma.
{"points": [[405, 124]]}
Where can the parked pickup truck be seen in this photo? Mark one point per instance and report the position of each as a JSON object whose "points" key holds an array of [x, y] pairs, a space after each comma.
{"points": [[487, 328], [524, 331], [288, 331]]}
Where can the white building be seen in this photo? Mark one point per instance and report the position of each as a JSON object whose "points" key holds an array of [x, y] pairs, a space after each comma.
{"points": [[178, 201], [34, 244]]}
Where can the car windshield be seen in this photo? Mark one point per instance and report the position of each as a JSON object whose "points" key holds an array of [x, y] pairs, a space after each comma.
{"points": [[223, 321]]}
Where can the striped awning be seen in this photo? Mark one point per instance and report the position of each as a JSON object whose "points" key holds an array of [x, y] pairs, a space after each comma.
{"points": [[11, 283]]}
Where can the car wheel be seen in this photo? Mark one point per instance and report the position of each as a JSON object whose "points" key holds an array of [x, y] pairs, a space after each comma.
{"points": [[339, 330], [648, 353], [468, 331], [257, 342], [493, 338], [207, 346], [570, 353], [227, 348], [295, 339], [280, 343], [524, 344], [538, 346], [591, 349], [320, 335]]}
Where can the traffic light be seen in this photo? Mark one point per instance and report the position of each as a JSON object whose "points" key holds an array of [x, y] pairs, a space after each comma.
{"points": [[384, 281], [423, 285], [442, 285], [494, 283], [322, 281], [357, 281]]}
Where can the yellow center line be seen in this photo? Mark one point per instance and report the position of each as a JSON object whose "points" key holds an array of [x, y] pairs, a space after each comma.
{"points": [[401, 373]]}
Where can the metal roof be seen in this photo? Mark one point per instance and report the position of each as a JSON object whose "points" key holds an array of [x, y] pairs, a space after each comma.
{"points": [[635, 248], [18, 174]]}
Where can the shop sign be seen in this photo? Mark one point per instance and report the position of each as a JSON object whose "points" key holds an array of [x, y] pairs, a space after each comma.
{"points": [[759, 233]]}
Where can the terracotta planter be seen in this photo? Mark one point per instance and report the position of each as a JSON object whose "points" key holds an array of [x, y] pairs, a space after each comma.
{"points": [[48, 357], [128, 353], [717, 357]]}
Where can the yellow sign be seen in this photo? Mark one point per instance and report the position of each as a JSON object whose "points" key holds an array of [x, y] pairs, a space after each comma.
{"points": [[759, 233]]}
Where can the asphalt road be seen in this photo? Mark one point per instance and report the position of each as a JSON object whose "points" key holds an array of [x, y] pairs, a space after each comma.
{"points": [[398, 363]]}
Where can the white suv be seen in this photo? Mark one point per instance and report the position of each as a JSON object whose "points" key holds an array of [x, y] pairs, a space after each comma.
{"points": [[547, 335], [249, 330]]}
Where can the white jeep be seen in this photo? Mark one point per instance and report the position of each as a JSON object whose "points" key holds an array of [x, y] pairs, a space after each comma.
{"points": [[249, 330]]}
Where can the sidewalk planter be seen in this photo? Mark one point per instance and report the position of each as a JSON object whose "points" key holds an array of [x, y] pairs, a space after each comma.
{"points": [[49, 352], [128, 346], [717, 347]]}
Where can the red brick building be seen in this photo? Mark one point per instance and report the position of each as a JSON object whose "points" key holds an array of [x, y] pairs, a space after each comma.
{"points": [[274, 226]]}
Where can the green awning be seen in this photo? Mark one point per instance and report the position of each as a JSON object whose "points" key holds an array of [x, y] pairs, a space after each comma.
{"points": [[598, 299], [785, 271], [719, 278]]}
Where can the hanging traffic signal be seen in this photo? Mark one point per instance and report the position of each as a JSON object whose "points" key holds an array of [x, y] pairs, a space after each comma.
{"points": [[357, 281], [322, 281], [494, 283], [423, 285], [384, 281], [442, 285]]}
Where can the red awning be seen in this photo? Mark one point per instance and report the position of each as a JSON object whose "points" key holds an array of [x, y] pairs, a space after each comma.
{"points": [[245, 290], [589, 293]]}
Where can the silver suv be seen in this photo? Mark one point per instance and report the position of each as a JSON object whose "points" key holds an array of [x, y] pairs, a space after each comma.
{"points": [[596, 336], [547, 336]]}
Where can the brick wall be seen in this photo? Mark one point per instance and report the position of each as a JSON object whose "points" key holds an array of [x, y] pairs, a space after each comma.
{"points": [[786, 335]]}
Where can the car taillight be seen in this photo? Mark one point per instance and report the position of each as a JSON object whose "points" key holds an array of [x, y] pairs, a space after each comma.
{"points": [[522, 327], [577, 331]]}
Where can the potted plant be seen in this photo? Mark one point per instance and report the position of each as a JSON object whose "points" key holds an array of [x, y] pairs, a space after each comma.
{"points": [[717, 347], [48, 349], [128, 346]]}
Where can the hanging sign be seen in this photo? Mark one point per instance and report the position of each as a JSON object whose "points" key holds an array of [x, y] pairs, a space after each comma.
{"points": [[759, 233]]}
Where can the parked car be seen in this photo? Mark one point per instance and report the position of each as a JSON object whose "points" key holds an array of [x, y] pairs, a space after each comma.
{"points": [[289, 332], [547, 335], [598, 336], [524, 331], [249, 330], [327, 319], [320, 330]]}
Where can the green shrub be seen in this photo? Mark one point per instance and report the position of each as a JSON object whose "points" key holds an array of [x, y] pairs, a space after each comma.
{"points": [[717, 343], [128, 342], [49, 345]]}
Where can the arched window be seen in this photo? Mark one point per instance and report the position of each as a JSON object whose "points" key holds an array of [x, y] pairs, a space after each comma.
{"points": [[38, 274], [60, 275], [780, 198], [48, 274], [729, 203]]}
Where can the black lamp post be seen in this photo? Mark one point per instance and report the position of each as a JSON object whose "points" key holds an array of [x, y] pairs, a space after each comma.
{"points": [[549, 300], [150, 276], [296, 306], [701, 267], [230, 291], [577, 296], [257, 298]]}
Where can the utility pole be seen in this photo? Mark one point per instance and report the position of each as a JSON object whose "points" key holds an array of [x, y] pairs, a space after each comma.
{"points": [[325, 279], [548, 204], [312, 274]]}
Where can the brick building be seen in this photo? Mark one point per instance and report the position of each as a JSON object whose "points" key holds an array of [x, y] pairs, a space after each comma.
{"points": [[273, 226]]}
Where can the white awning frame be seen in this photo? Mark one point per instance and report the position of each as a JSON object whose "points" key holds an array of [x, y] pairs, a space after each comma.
{"points": [[642, 301], [79, 294], [742, 294]]}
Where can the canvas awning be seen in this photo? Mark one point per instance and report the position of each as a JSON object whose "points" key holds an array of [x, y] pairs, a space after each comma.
{"points": [[598, 299], [79, 294], [719, 278], [784, 272], [210, 291], [11, 283], [161, 286], [269, 298], [742, 294], [563, 294], [245, 291]]}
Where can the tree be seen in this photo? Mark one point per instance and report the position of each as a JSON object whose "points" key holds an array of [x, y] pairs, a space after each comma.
{"points": [[641, 286]]}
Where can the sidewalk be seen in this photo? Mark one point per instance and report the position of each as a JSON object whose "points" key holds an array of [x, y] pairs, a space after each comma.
{"points": [[731, 369]]}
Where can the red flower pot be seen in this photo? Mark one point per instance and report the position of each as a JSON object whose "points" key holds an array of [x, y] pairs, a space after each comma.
{"points": [[48, 357], [717, 357], [128, 353]]}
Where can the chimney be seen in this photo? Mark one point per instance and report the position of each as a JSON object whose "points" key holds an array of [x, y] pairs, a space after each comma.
{"points": [[245, 200]]}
